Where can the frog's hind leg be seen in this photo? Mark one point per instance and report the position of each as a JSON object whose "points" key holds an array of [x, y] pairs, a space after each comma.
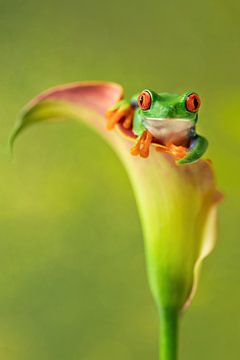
{"points": [[197, 148], [142, 145]]}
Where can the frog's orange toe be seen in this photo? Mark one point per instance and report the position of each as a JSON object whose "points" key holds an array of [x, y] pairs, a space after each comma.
{"points": [[135, 150], [113, 117], [117, 115], [127, 123], [147, 140], [143, 145], [178, 152]]}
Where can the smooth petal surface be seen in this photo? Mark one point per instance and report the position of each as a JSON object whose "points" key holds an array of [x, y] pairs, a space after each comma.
{"points": [[177, 204]]}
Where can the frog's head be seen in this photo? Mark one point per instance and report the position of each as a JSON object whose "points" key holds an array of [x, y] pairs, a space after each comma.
{"points": [[167, 106]]}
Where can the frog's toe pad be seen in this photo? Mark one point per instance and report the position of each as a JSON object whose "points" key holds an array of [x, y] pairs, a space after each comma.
{"points": [[144, 153]]}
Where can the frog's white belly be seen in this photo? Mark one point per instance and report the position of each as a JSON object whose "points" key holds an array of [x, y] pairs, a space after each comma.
{"points": [[169, 130]]}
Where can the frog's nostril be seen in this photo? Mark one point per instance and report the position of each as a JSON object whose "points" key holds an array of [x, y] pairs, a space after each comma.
{"points": [[169, 111]]}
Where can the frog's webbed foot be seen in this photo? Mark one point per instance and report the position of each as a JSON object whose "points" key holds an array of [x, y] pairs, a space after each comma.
{"points": [[142, 145], [122, 111], [178, 152]]}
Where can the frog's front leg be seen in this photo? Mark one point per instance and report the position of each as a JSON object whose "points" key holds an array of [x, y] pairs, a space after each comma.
{"points": [[142, 145], [198, 146], [122, 111]]}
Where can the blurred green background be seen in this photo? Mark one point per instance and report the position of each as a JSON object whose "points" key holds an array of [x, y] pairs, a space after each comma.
{"points": [[72, 271]]}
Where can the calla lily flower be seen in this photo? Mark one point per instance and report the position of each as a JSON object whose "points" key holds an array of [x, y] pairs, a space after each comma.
{"points": [[177, 203]]}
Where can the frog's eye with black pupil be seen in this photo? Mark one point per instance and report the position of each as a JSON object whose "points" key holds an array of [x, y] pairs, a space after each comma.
{"points": [[193, 102], [145, 100]]}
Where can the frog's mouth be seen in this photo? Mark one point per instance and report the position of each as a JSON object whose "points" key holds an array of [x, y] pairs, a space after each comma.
{"points": [[167, 130]]}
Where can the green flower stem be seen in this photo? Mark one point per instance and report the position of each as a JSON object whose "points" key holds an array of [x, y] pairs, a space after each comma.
{"points": [[168, 334]]}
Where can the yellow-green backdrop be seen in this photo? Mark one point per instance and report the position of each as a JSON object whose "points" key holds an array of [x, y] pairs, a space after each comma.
{"points": [[72, 273]]}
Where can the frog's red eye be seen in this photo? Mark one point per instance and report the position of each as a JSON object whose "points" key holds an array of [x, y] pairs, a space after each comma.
{"points": [[145, 100], [193, 102]]}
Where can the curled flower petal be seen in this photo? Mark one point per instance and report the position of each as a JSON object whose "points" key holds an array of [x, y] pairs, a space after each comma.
{"points": [[177, 203]]}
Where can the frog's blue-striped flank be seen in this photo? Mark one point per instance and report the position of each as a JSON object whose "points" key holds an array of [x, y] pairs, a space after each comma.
{"points": [[166, 120]]}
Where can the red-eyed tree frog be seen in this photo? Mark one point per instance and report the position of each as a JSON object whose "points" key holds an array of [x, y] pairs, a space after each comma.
{"points": [[166, 120]]}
